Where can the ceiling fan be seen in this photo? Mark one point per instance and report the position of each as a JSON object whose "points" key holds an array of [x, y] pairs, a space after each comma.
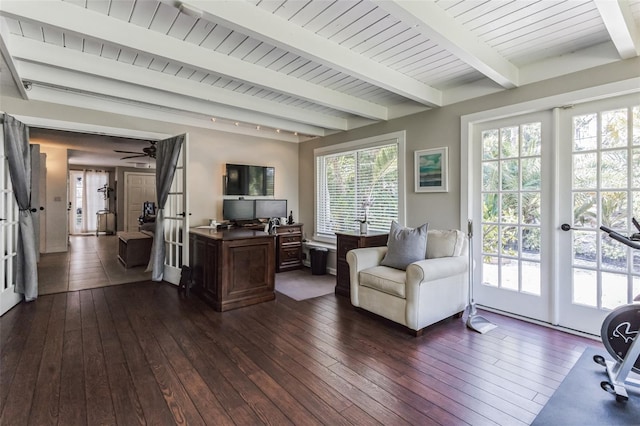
{"points": [[149, 151]]}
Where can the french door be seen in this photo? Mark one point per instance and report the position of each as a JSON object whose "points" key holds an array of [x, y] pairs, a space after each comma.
{"points": [[578, 166], [8, 235], [512, 219], [176, 220], [599, 184]]}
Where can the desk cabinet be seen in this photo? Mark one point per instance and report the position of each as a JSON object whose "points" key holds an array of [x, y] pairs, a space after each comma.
{"points": [[348, 241], [289, 247], [232, 269]]}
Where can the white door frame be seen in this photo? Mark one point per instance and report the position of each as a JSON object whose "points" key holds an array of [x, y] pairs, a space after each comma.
{"points": [[469, 170]]}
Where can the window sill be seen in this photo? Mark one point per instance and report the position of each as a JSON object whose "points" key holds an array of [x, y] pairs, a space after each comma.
{"points": [[319, 244]]}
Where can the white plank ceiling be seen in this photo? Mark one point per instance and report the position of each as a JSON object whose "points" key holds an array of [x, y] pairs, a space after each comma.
{"points": [[295, 69]]}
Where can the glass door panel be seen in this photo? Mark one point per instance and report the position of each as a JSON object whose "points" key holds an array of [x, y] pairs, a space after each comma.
{"points": [[601, 143], [515, 180]]}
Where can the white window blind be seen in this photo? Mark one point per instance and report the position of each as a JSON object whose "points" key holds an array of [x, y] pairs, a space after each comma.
{"points": [[353, 183]]}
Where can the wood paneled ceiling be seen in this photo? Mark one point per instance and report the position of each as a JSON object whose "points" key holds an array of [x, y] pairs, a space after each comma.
{"points": [[295, 69]]}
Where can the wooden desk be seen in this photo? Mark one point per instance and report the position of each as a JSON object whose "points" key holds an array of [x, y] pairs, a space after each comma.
{"points": [[348, 241], [234, 268]]}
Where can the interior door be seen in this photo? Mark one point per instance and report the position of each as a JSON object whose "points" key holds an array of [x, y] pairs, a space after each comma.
{"points": [[139, 187], [35, 193], [513, 215], [43, 201], [176, 220], [600, 185], [8, 235]]}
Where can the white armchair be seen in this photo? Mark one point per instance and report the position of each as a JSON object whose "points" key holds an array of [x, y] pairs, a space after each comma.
{"points": [[428, 291]]}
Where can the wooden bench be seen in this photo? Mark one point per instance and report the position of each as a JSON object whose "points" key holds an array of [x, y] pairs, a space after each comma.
{"points": [[134, 248]]}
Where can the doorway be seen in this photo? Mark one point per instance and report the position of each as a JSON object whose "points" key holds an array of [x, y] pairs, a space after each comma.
{"points": [[88, 196], [532, 173]]}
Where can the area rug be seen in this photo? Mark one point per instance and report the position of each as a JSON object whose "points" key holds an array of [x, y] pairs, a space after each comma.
{"points": [[581, 401], [300, 284]]}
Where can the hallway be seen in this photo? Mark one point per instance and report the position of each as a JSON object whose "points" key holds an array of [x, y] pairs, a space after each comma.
{"points": [[90, 262]]}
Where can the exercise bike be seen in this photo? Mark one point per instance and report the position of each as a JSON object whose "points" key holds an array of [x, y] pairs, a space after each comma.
{"points": [[619, 332]]}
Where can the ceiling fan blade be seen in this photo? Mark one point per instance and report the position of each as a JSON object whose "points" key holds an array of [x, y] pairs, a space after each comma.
{"points": [[133, 156], [127, 152]]}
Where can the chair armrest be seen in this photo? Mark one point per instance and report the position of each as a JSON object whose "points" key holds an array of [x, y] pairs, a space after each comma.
{"points": [[435, 289], [434, 269], [363, 258], [358, 260]]}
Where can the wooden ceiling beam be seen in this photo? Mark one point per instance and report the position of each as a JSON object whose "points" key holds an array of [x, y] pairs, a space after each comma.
{"points": [[8, 59], [621, 26], [255, 22], [148, 97], [432, 21], [86, 23], [263, 112]]}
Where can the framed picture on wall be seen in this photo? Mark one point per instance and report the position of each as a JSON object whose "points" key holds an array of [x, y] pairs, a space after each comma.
{"points": [[432, 170]]}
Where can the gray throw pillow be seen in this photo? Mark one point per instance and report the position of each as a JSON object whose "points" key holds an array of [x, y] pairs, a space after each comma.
{"points": [[405, 246]]}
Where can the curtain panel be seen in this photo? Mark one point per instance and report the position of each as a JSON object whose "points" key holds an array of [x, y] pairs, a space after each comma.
{"points": [[16, 140]]}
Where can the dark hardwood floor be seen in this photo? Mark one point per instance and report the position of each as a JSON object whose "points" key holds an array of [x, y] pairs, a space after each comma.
{"points": [[139, 353]]}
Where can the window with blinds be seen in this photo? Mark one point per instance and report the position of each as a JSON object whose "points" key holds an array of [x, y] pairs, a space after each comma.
{"points": [[356, 184]]}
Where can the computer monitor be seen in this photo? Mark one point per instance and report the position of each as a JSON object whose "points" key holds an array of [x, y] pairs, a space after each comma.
{"points": [[266, 209], [238, 209]]}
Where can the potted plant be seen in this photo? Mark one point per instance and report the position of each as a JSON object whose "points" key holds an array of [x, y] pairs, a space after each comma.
{"points": [[364, 223]]}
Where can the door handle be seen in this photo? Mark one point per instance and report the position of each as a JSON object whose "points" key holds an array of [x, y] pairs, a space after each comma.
{"points": [[566, 227]]}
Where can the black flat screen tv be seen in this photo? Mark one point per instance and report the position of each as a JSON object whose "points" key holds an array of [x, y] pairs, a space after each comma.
{"points": [[267, 209], [249, 180], [238, 210]]}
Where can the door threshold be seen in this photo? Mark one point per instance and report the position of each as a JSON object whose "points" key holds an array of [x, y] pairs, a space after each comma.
{"points": [[542, 323]]}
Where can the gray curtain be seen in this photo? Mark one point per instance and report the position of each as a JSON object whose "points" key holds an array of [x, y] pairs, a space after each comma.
{"points": [[167, 153], [16, 143]]}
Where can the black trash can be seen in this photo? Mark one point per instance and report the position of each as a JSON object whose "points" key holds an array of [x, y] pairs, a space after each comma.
{"points": [[318, 261]]}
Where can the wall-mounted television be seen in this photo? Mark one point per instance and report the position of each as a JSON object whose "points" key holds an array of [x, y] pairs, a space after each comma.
{"points": [[249, 180], [238, 209], [267, 209]]}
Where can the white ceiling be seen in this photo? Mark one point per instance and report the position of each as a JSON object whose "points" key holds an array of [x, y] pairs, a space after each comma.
{"points": [[295, 69]]}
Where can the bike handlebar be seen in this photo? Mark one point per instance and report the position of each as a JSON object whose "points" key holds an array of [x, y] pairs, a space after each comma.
{"points": [[621, 238]]}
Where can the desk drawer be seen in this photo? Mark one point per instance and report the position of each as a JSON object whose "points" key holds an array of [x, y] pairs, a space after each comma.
{"points": [[290, 239]]}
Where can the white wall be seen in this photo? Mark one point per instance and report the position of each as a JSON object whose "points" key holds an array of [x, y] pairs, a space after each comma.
{"points": [[210, 152]]}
